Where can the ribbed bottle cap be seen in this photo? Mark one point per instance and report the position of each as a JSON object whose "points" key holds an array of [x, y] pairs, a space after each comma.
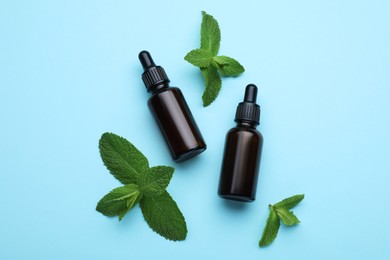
{"points": [[248, 110], [153, 75]]}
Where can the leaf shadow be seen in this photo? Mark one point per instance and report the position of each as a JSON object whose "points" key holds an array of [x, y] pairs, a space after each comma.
{"points": [[129, 220]]}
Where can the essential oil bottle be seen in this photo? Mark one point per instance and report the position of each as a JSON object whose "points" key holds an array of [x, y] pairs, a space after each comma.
{"points": [[170, 110], [243, 146]]}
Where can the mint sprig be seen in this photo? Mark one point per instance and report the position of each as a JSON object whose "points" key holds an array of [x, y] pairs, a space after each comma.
{"points": [[280, 212], [143, 185], [211, 65]]}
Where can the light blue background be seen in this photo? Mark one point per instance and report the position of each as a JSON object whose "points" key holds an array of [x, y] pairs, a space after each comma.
{"points": [[69, 72]]}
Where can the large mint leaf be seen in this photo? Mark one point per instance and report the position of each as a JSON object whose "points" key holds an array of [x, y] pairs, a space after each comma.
{"points": [[164, 217], [122, 158], [210, 34]]}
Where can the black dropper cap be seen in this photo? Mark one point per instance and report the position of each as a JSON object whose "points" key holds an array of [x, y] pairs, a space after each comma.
{"points": [[153, 75], [248, 110]]}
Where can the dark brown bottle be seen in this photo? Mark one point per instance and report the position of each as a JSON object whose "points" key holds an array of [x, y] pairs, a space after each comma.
{"points": [[171, 112], [243, 146]]}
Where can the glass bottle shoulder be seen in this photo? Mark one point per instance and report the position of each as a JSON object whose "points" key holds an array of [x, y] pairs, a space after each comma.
{"points": [[244, 131], [165, 93], [165, 89]]}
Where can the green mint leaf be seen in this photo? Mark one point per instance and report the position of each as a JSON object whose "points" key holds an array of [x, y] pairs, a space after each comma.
{"points": [[156, 180], [271, 229], [144, 185], [205, 58], [199, 58], [164, 217], [228, 66], [288, 218], [213, 85], [119, 201], [122, 158], [210, 34], [290, 202], [280, 212]]}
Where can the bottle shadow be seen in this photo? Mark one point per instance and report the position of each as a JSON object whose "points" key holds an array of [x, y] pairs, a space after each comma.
{"points": [[237, 206]]}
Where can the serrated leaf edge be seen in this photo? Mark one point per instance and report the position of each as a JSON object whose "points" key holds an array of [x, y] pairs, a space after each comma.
{"points": [[262, 243], [119, 155], [142, 188], [279, 213], [181, 214], [300, 197]]}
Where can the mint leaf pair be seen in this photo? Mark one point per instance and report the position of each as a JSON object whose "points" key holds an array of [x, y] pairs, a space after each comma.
{"points": [[211, 65], [280, 212], [143, 185]]}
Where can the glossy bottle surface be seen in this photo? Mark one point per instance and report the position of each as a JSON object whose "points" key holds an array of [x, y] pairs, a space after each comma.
{"points": [[170, 110], [176, 123], [240, 165]]}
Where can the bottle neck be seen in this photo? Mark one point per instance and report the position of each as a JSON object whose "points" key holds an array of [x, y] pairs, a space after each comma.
{"points": [[158, 88], [245, 123]]}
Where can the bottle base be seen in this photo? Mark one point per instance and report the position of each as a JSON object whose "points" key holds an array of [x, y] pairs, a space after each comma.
{"points": [[236, 197], [189, 154]]}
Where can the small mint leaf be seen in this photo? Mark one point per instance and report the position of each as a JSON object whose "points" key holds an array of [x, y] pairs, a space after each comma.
{"points": [[279, 212], [156, 180], [213, 85], [228, 66], [119, 201], [210, 34], [164, 217], [199, 58], [122, 158], [288, 218], [290, 202], [271, 229]]}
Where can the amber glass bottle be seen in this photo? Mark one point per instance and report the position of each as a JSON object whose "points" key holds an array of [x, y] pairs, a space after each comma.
{"points": [[241, 159], [170, 110]]}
